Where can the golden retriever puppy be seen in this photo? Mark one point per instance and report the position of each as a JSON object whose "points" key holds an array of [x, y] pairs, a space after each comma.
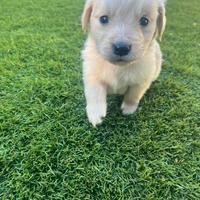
{"points": [[121, 55]]}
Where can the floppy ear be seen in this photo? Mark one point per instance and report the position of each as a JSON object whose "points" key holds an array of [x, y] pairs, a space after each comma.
{"points": [[161, 21], [86, 14]]}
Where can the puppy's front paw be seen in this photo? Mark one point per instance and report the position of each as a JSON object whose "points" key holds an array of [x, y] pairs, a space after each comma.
{"points": [[96, 113], [129, 109]]}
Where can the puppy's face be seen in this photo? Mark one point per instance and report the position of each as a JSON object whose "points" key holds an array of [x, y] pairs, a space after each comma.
{"points": [[123, 30]]}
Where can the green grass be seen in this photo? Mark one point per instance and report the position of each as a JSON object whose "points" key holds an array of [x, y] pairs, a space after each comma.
{"points": [[48, 150]]}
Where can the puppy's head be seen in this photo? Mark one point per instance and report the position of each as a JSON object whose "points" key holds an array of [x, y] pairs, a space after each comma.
{"points": [[124, 30]]}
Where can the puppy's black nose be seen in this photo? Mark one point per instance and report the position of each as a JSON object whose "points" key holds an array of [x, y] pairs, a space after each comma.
{"points": [[121, 49]]}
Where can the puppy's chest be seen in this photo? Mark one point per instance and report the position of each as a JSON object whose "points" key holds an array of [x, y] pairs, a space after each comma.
{"points": [[119, 82]]}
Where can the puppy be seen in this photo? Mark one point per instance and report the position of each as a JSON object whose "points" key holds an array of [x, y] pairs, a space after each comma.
{"points": [[121, 55]]}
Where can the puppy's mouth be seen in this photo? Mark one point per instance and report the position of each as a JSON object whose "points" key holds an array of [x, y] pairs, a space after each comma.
{"points": [[122, 62]]}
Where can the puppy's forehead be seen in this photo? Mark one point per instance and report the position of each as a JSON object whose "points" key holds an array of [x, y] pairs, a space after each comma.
{"points": [[125, 6]]}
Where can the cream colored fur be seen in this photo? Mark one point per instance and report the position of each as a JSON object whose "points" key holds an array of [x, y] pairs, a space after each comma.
{"points": [[102, 73]]}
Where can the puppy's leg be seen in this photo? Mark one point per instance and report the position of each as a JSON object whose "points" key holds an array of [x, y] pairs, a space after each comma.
{"points": [[132, 98], [96, 102]]}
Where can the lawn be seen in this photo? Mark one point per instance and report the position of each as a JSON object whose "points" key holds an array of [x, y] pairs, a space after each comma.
{"points": [[48, 150]]}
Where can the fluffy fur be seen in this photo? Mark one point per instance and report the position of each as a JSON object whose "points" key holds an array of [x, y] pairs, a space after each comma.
{"points": [[103, 72]]}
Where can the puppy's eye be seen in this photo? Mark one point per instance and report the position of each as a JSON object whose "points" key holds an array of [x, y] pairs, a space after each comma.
{"points": [[144, 21], [104, 19]]}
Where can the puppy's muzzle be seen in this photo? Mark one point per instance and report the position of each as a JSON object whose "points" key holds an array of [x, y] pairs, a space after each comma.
{"points": [[121, 49]]}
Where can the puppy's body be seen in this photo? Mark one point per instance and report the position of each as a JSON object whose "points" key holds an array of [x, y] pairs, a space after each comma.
{"points": [[103, 73]]}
